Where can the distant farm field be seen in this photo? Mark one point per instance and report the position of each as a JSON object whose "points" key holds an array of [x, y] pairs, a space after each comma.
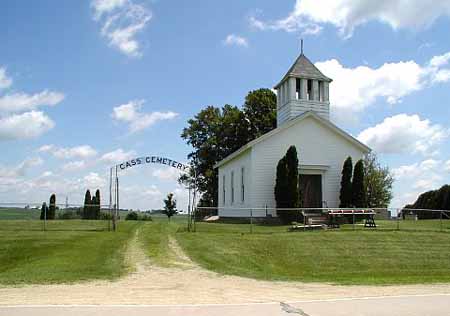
{"points": [[70, 251]]}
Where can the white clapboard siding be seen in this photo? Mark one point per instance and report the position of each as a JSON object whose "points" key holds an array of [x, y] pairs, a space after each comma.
{"points": [[321, 151], [236, 165]]}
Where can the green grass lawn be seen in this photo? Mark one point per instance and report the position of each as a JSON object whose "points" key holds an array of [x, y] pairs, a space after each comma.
{"points": [[70, 251], [339, 256]]}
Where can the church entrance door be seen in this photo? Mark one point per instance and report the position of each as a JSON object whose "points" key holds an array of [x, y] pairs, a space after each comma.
{"points": [[311, 190]]}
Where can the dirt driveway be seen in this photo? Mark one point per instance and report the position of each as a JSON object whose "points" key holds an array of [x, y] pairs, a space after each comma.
{"points": [[187, 283]]}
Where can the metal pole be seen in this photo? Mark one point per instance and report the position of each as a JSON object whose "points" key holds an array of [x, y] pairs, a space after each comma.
{"points": [[115, 202], [440, 220], [110, 199], [45, 217], [189, 210], [117, 198], [398, 220], [251, 221], [195, 199]]}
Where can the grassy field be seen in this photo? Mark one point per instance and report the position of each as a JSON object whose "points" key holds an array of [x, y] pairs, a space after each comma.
{"points": [[339, 256], [71, 251], [76, 250]]}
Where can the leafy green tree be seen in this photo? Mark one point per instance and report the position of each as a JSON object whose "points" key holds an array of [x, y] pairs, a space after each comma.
{"points": [[260, 108], [287, 192], [44, 211], [378, 183], [431, 200], [345, 196], [358, 192], [170, 206], [214, 133], [52, 207], [87, 205]]}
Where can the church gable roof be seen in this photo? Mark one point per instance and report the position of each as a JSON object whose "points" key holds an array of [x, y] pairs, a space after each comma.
{"points": [[295, 121], [304, 68]]}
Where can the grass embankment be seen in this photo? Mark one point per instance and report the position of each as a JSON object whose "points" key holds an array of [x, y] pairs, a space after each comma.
{"points": [[70, 251], [342, 257]]}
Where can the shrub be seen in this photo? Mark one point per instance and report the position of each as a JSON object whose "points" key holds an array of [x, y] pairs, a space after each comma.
{"points": [[132, 216], [68, 215], [146, 218]]}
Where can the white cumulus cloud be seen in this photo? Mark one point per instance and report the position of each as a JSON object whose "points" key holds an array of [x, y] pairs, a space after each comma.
{"points": [[5, 81], [19, 102], [121, 21], [74, 166], [118, 156], [413, 179], [354, 89], [81, 152], [308, 16], [21, 169], [24, 126], [403, 134], [235, 40], [131, 114], [166, 174]]}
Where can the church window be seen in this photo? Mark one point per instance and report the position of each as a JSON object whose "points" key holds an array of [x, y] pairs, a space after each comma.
{"points": [[297, 89], [223, 189], [309, 93], [232, 187], [242, 185]]}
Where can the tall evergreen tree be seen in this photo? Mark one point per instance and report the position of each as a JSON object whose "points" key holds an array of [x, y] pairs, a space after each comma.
{"points": [[44, 211], [281, 184], [358, 191], [346, 184], [97, 204], [52, 207], [292, 176], [87, 204], [287, 192]]}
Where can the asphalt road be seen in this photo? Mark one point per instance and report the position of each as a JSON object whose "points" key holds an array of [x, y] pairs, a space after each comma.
{"points": [[426, 305]]}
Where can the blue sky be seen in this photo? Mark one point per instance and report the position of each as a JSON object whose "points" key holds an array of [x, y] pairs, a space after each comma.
{"points": [[84, 84]]}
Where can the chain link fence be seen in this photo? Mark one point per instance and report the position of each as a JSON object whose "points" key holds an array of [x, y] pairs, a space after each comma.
{"points": [[269, 220]]}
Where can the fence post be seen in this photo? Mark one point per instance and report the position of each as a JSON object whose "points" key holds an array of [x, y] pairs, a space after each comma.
{"points": [[353, 212], [440, 219], [398, 220], [251, 221]]}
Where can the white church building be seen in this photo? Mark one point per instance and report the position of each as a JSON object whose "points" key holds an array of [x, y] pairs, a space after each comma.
{"points": [[247, 177]]}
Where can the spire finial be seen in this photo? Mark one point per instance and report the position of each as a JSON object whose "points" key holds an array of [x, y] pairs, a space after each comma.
{"points": [[301, 46]]}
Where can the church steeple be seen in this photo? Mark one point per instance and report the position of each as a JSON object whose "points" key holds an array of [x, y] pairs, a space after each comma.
{"points": [[303, 88]]}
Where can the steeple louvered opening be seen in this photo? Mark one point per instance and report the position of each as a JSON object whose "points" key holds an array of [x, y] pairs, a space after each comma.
{"points": [[303, 88]]}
